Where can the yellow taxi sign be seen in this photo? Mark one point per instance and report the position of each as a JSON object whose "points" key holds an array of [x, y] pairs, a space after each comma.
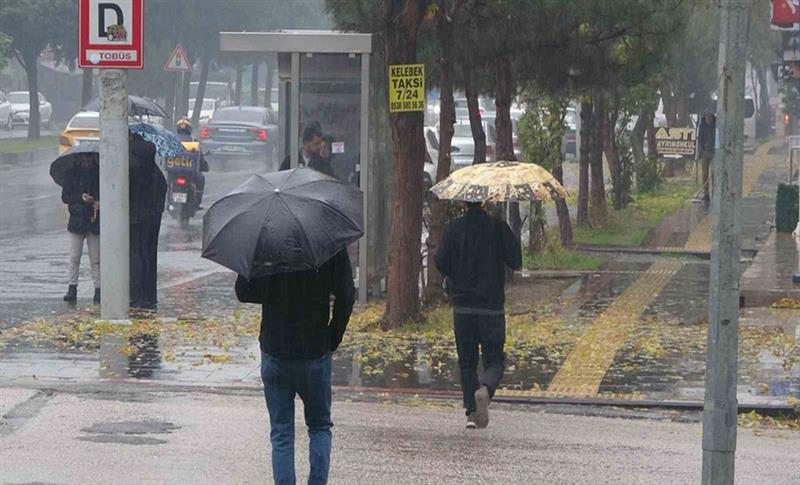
{"points": [[406, 87]]}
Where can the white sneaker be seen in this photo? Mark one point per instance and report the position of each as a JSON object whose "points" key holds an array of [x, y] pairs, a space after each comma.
{"points": [[482, 407], [471, 421]]}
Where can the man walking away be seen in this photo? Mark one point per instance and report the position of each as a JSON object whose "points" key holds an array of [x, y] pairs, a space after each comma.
{"points": [[309, 151], [81, 193], [706, 141], [473, 255], [297, 338]]}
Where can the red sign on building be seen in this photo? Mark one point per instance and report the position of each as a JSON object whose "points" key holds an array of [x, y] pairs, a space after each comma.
{"points": [[110, 34], [785, 12]]}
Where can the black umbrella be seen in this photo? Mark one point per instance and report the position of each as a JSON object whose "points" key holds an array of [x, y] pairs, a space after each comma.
{"points": [[280, 222], [71, 158], [137, 106]]}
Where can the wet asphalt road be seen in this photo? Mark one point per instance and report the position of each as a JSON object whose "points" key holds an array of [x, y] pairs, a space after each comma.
{"points": [[179, 438], [33, 250]]}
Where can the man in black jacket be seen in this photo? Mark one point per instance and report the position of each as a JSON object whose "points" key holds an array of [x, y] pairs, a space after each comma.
{"points": [[309, 151], [473, 255], [148, 190], [81, 193], [706, 144], [297, 338]]}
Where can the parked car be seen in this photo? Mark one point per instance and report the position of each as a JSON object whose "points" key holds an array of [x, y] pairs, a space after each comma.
{"points": [[570, 136], [431, 157], [241, 130], [206, 109], [20, 108], [5, 112], [84, 126], [221, 91]]}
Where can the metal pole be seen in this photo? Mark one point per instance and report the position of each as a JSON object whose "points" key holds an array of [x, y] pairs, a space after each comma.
{"points": [[363, 177], [114, 203], [294, 130], [720, 409]]}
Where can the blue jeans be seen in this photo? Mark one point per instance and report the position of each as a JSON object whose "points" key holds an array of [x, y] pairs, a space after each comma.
{"points": [[311, 380]]}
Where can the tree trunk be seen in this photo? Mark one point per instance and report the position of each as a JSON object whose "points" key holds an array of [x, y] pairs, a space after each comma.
{"points": [[169, 103], [650, 128], [182, 106], [254, 83], [504, 144], [434, 293], [86, 87], [537, 234], [268, 84], [201, 90], [32, 74], [585, 156], [612, 153], [402, 302], [475, 122], [237, 93], [637, 140], [562, 209], [765, 116], [597, 202]]}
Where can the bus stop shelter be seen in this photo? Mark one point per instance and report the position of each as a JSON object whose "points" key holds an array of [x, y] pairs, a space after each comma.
{"points": [[323, 77]]}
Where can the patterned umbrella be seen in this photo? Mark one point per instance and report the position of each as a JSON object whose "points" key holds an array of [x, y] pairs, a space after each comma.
{"points": [[499, 182], [166, 143]]}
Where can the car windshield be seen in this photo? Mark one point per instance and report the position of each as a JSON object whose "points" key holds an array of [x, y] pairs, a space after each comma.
{"points": [[242, 115], [213, 90], [85, 121], [18, 98]]}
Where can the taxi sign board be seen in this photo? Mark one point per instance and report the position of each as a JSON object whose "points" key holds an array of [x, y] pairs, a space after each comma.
{"points": [[178, 61], [406, 87], [675, 142], [110, 34]]}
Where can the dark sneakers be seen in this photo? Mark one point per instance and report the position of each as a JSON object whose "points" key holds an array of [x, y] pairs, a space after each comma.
{"points": [[482, 407], [72, 293], [97, 296]]}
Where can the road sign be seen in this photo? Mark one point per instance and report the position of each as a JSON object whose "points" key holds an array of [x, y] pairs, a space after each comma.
{"points": [[110, 34], [406, 87], [178, 61], [675, 142]]}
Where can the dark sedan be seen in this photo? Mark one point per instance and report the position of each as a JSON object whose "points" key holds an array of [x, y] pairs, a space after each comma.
{"points": [[241, 131]]}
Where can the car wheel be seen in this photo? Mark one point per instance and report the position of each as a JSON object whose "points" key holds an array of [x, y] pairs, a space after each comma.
{"points": [[10, 123]]}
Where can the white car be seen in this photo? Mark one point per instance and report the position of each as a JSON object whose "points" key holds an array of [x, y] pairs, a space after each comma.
{"points": [[5, 112], [20, 108], [206, 110]]}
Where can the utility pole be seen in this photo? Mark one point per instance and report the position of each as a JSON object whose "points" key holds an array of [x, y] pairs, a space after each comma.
{"points": [[720, 409], [114, 190]]}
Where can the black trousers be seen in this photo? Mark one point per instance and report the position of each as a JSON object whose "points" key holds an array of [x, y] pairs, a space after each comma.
{"points": [[483, 335], [144, 264]]}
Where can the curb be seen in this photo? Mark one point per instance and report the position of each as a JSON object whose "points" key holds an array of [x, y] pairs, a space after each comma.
{"points": [[28, 157], [136, 387], [642, 250]]}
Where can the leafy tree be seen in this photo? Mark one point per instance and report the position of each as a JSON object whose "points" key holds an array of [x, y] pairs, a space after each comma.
{"points": [[33, 26]]}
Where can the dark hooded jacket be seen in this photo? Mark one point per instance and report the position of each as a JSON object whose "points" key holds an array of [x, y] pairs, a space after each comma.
{"points": [[76, 183], [473, 255]]}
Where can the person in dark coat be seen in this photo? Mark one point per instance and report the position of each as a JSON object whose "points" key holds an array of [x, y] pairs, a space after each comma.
{"points": [[309, 151], [81, 193], [298, 335], [473, 255], [706, 147], [148, 190], [324, 163]]}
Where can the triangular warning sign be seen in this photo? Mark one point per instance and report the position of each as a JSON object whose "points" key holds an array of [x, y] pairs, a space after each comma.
{"points": [[178, 61]]}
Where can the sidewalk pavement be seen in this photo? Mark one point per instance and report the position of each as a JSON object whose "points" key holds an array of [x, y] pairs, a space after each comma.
{"points": [[138, 437]]}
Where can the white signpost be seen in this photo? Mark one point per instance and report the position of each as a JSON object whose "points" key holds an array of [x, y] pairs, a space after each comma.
{"points": [[110, 39]]}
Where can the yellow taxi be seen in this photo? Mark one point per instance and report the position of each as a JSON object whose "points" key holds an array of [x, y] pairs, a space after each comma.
{"points": [[84, 126]]}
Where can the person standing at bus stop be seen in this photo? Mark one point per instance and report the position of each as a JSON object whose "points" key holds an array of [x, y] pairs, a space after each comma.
{"points": [[706, 145]]}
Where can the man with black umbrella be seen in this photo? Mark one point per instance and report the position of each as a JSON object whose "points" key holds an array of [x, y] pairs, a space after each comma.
{"points": [[297, 338], [81, 193]]}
